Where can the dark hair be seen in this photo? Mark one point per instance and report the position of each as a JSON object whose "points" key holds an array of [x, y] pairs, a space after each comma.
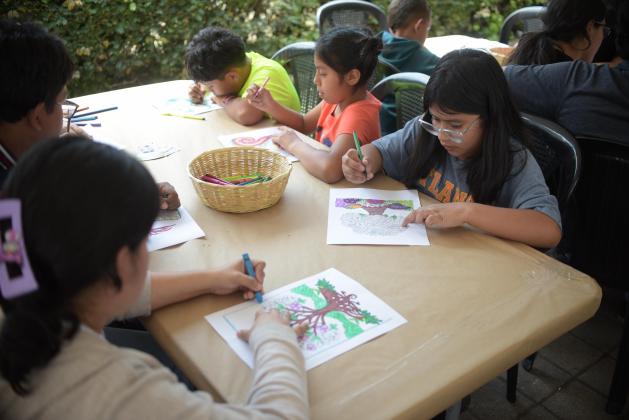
{"points": [[34, 68], [621, 28], [471, 82], [400, 12], [212, 52], [564, 20], [345, 49], [81, 203]]}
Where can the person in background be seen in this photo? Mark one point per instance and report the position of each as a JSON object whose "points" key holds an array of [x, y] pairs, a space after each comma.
{"points": [[34, 74], [403, 47], [217, 62], [589, 100], [573, 30]]}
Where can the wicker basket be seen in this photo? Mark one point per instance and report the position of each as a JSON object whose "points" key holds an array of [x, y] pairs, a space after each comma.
{"points": [[234, 161]]}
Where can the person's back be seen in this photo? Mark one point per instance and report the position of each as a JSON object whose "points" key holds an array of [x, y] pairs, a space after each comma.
{"points": [[573, 30], [409, 22], [589, 100]]}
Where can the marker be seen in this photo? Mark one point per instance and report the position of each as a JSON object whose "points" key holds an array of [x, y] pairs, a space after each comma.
{"points": [[251, 272], [262, 87], [359, 150], [190, 117], [79, 119], [98, 111]]}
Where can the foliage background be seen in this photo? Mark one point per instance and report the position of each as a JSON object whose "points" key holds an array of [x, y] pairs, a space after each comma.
{"points": [[119, 43]]}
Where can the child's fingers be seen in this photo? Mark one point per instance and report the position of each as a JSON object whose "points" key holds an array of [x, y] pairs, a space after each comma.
{"points": [[244, 335], [416, 216], [301, 329]]}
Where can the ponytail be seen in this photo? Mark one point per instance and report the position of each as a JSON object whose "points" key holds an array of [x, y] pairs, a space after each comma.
{"points": [[89, 217], [345, 49]]}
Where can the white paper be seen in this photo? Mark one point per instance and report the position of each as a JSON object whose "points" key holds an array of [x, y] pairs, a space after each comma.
{"points": [[373, 217], [258, 138], [441, 45], [172, 228], [342, 313], [152, 151], [182, 105]]}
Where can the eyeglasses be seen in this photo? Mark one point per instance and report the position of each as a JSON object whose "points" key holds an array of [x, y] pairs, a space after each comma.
{"points": [[453, 135], [606, 29], [69, 109]]}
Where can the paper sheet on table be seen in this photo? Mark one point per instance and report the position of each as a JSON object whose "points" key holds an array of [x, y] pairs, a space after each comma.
{"points": [[342, 315], [182, 105], [172, 228], [258, 138], [373, 217]]}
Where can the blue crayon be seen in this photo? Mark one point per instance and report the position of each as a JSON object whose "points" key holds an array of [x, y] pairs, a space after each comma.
{"points": [[251, 272]]}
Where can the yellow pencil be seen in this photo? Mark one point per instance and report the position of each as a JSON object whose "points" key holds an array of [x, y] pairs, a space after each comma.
{"points": [[191, 117]]}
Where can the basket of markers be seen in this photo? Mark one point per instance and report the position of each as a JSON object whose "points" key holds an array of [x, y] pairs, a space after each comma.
{"points": [[239, 179]]}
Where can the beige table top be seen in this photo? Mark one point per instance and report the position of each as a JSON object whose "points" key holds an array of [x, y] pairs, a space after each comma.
{"points": [[475, 304]]}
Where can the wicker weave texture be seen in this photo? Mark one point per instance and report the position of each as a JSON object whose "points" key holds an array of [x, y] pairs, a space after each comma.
{"points": [[235, 161]]}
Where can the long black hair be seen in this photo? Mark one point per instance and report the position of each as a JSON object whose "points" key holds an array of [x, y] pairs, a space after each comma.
{"points": [[81, 203], [564, 20], [471, 82], [345, 49]]}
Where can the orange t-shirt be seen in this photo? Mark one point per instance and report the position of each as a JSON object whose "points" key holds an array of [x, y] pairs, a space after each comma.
{"points": [[362, 116]]}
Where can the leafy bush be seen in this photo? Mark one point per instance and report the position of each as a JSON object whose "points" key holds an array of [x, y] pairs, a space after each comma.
{"points": [[122, 43]]}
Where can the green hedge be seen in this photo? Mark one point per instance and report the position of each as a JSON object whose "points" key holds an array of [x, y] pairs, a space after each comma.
{"points": [[122, 43]]}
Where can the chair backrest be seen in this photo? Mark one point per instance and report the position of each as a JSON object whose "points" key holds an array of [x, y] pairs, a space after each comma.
{"points": [[602, 203], [383, 69], [298, 58], [558, 155], [407, 89], [526, 19], [350, 13]]}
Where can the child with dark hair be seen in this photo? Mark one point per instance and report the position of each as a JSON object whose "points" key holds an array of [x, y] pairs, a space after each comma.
{"points": [[589, 100], [217, 61], [409, 23], [466, 152], [90, 267], [573, 30], [34, 72], [345, 59]]}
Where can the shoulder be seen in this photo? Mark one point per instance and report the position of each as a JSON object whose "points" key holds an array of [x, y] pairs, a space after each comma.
{"points": [[369, 104]]}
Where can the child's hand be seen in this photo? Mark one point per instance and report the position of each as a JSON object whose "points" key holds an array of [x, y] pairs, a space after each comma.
{"points": [[263, 101], [265, 317], [75, 130], [354, 170], [286, 139], [439, 215], [223, 100], [196, 93], [168, 197], [233, 278]]}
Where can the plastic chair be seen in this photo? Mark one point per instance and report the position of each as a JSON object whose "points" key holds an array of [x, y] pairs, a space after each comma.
{"points": [[600, 249], [298, 58], [350, 13], [526, 19], [559, 157], [406, 91], [383, 69]]}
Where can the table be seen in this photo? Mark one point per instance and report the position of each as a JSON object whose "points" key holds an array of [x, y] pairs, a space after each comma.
{"points": [[441, 45], [475, 304]]}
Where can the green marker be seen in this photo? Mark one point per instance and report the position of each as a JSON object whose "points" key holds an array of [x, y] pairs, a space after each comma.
{"points": [[359, 150]]}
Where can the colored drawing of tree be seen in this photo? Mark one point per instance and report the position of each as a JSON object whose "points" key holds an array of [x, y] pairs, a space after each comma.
{"points": [[373, 206], [341, 306]]}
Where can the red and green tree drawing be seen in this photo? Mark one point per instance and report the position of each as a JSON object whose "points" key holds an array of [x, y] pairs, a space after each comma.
{"points": [[374, 206], [328, 302]]}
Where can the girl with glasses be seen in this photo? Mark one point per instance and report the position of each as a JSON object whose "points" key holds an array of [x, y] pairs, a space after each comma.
{"points": [[466, 151]]}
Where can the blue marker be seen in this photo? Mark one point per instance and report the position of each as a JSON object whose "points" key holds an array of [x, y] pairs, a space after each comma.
{"points": [[251, 272]]}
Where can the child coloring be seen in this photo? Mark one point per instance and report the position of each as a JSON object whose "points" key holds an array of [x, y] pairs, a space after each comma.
{"points": [[89, 259], [466, 151], [345, 59]]}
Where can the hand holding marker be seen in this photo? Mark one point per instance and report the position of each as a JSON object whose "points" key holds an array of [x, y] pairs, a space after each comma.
{"points": [[251, 272], [359, 150]]}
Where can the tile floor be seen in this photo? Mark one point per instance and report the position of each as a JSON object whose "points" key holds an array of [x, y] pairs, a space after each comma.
{"points": [[570, 378]]}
